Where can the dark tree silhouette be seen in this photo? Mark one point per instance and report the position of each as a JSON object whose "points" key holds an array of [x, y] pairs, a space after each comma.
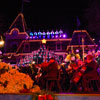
{"points": [[2, 23], [92, 17]]}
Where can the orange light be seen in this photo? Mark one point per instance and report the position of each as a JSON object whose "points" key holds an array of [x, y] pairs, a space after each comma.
{"points": [[1, 43], [33, 62]]}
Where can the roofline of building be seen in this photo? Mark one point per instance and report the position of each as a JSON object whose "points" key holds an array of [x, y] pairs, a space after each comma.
{"points": [[68, 39], [81, 45]]}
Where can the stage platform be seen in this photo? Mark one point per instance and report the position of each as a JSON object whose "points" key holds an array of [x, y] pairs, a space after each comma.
{"points": [[60, 96], [77, 96]]}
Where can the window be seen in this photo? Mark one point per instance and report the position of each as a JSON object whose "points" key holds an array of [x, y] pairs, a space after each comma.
{"points": [[14, 47], [26, 47], [58, 46]]}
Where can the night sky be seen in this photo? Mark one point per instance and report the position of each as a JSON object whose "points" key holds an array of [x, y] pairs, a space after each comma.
{"points": [[43, 16]]}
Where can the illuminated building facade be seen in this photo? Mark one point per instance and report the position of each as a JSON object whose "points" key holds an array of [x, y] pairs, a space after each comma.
{"points": [[20, 43]]}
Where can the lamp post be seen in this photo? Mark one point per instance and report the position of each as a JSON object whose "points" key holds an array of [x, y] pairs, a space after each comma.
{"points": [[83, 48], [72, 51]]}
